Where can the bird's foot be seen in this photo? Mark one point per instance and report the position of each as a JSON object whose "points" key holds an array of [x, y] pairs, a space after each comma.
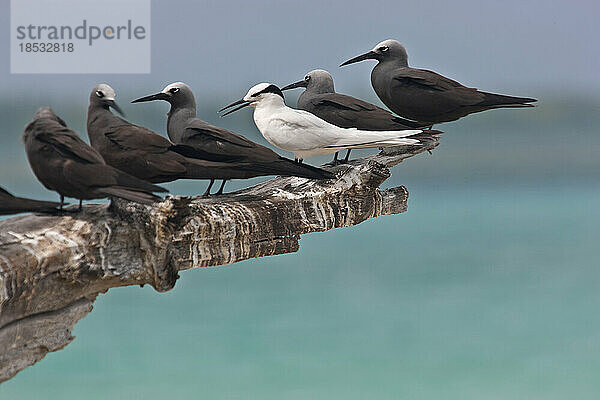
{"points": [[337, 162]]}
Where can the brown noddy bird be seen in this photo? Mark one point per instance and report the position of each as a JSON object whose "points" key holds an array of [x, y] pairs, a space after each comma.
{"points": [[220, 145], [66, 164], [342, 110], [150, 156], [424, 95], [10, 204]]}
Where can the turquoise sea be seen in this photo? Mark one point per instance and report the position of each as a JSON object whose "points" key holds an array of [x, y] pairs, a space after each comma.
{"points": [[487, 288], [475, 293]]}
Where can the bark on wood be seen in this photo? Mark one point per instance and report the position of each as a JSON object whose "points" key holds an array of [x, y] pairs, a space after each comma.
{"points": [[53, 267]]}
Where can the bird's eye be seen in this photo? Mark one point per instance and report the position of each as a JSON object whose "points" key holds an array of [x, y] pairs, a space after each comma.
{"points": [[383, 49], [99, 93], [307, 78], [174, 90]]}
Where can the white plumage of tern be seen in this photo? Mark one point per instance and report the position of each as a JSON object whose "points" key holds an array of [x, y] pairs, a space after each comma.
{"points": [[305, 134]]}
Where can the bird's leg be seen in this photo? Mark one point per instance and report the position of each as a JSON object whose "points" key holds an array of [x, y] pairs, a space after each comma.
{"points": [[301, 160], [62, 201], [80, 204], [429, 128], [220, 191], [347, 155], [335, 158], [207, 192]]}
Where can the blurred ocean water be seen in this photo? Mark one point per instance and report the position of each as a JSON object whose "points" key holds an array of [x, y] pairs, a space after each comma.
{"points": [[476, 292]]}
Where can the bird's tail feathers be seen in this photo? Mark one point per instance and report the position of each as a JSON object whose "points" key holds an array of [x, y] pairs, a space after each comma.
{"points": [[518, 105], [131, 182], [131, 188], [285, 167], [39, 204], [407, 123], [131, 194], [357, 139], [250, 169], [493, 100], [377, 143]]}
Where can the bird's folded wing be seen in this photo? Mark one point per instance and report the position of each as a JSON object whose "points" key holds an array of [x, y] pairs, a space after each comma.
{"points": [[164, 166], [407, 79], [199, 127], [130, 136], [160, 155], [349, 109], [145, 145], [96, 176], [302, 119], [210, 152], [342, 102], [89, 175], [423, 77], [67, 143], [304, 130]]}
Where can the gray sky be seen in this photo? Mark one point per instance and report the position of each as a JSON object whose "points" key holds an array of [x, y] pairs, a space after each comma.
{"points": [[222, 48]]}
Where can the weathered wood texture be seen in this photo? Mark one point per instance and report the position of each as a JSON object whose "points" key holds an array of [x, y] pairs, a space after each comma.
{"points": [[53, 267]]}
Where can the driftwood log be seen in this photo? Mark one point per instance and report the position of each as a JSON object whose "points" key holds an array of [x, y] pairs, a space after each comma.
{"points": [[52, 267]]}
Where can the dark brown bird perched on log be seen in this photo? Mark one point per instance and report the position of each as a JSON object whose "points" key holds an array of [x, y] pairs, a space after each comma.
{"points": [[152, 157], [220, 145], [10, 204], [66, 164], [424, 95]]}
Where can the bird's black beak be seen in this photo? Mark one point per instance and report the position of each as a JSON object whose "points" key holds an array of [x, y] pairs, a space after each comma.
{"points": [[152, 97], [367, 56], [115, 107], [295, 85], [240, 103]]}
